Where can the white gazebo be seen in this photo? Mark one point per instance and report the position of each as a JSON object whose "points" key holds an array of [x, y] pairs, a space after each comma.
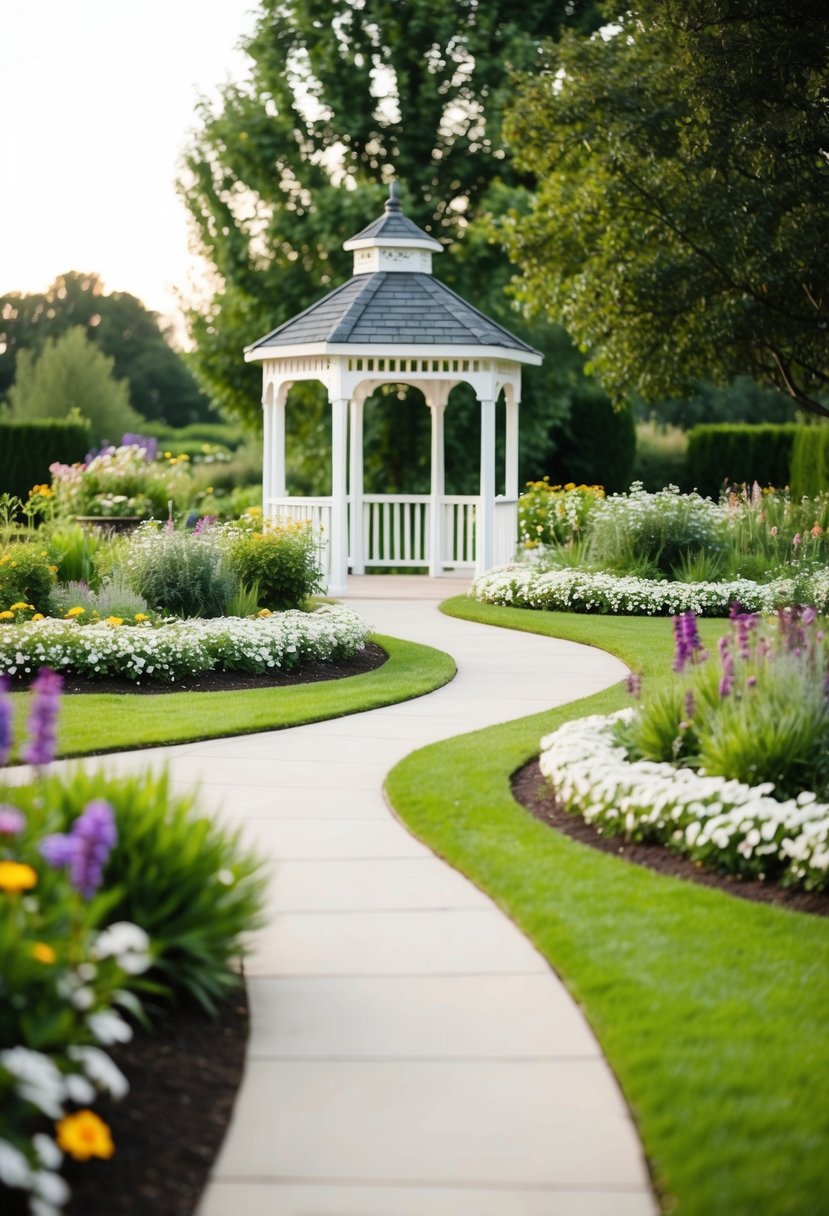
{"points": [[394, 323]]}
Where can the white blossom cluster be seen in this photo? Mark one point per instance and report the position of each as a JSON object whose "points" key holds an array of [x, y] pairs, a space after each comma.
{"points": [[174, 649], [724, 823], [581, 591]]}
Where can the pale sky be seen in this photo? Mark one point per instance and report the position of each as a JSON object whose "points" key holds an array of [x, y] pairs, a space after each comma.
{"points": [[97, 98]]}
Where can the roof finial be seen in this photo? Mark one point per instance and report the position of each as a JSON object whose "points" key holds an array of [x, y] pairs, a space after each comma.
{"points": [[393, 201]]}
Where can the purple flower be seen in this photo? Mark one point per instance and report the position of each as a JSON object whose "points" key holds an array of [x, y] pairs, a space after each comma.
{"points": [[633, 683], [690, 705], [6, 716], [688, 643], [725, 686], [202, 524], [147, 443], [12, 820], [85, 849], [42, 724]]}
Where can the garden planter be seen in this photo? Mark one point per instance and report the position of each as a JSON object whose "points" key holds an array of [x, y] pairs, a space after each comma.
{"points": [[110, 523]]}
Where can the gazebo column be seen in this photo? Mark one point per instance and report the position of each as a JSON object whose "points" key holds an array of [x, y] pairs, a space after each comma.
{"points": [[355, 485], [485, 524], [279, 486], [267, 455], [338, 539], [511, 462], [437, 407]]}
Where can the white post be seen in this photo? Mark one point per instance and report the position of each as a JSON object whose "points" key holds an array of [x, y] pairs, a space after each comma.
{"points": [[511, 470], [485, 525], [437, 407], [338, 540], [267, 456], [355, 485], [279, 487]]}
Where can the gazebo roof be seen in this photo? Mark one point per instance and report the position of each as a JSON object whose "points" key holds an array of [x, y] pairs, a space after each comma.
{"points": [[387, 307], [394, 301]]}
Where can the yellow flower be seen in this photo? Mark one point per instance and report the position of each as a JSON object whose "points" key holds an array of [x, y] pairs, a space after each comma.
{"points": [[43, 952], [141, 616], [16, 607], [264, 612], [16, 876], [115, 620], [76, 611], [6, 616], [54, 569], [38, 616], [84, 1135]]}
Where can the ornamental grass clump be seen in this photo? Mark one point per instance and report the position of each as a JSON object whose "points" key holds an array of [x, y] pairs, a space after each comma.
{"points": [[179, 573]]}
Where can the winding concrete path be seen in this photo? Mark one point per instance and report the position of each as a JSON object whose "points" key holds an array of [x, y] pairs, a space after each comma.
{"points": [[411, 1054]]}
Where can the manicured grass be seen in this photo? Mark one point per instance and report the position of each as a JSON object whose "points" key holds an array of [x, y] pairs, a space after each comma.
{"points": [[93, 723], [712, 1011]]}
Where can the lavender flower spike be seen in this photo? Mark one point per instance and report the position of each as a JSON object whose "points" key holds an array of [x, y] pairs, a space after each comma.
{"points": [[85, 849], [42, 725], [6, 715]]}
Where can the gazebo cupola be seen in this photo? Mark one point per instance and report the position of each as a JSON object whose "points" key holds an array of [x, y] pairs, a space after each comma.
{"points": [[392, 322]]}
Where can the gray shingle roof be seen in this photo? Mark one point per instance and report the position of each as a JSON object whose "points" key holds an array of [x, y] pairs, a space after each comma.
{"points": [[390, 226], [386, 307]]}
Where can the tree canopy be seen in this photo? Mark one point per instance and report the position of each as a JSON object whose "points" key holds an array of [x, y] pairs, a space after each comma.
{"points": [[682, 161], [161, 386], [340, 98], [72, 376]]}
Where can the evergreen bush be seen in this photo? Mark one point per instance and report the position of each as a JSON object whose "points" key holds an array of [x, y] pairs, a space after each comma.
{"points": [[810, 461], [27, 449], [723, 454]]}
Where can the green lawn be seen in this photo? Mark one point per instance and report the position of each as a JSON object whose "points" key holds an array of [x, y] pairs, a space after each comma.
{"points": [[712, 1011], [93, 723]]}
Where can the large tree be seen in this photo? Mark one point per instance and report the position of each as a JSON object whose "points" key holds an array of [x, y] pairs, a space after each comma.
{"points": [[72, 376], [678, 228], [340, 98], [161, 385]]}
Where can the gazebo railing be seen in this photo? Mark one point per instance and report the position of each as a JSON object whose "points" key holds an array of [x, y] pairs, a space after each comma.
{"points": [[396, 531]]}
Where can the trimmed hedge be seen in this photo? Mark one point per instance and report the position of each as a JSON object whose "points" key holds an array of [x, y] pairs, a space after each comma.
{"points": [[28, 448], [733, 453], [810, 461]]}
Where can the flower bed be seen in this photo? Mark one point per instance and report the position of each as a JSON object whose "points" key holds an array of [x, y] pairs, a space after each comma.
{"points": [[582, 591], [735, 827], [175, 649]]}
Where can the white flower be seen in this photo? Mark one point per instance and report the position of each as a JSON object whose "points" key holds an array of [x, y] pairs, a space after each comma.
{"points": [[48, 1152], [78, 1089], [101, 1070], [14, 1168], [40, 1080], [108, 1027], [127, 943], [51, 1188]]}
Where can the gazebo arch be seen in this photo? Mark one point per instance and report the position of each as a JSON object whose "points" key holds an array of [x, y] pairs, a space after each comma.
{"points": [[394, 323]]}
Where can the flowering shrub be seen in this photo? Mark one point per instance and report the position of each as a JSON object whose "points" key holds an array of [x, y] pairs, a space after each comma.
{"points": [[768, 528], [176, 649], [27, 577], [737, 828], [638, 531], [555, 515], [124, 480], [280, 558], [184, 574]]}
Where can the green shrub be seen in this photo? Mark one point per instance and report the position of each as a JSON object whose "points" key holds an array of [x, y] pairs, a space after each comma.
{"points": [[113, 598], [634, 532], [731, 454], [26, 576], [28, 449], [183, 574], [282, 560], [555, 515], [73, 550], [810, 461]]}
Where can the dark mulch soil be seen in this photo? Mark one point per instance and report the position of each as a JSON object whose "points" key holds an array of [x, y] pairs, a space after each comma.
{"points": [[533, 792], [368, 659]]}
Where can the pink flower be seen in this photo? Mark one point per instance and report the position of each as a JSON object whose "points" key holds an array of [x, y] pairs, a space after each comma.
{"points": [[773, 531]]}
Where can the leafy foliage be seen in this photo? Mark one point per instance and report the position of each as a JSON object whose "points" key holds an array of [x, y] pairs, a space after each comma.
{"points": [[160, 382], [27, 449], [26, 576], [178, 573], [682, 176], [291, 163], [281, 560], [72, 379]]}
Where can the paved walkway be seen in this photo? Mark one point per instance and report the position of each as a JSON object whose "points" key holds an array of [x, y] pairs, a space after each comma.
{"points": [[411, 1054]]}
